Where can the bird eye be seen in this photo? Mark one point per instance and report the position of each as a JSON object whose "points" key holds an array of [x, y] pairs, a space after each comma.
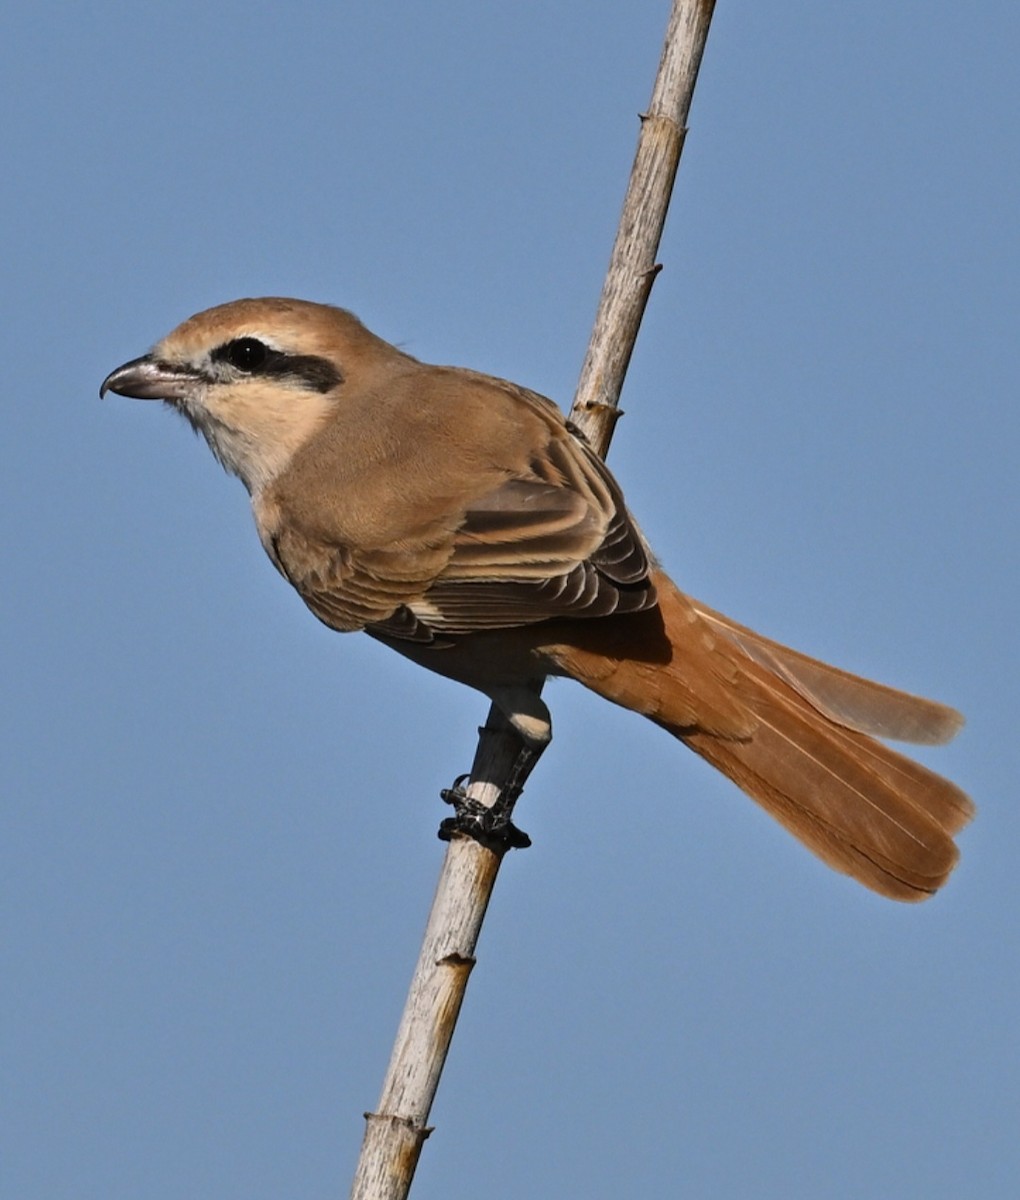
{"points": [[246, 354]]}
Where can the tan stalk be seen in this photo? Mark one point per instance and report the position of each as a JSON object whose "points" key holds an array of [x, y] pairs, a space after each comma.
{"points": [[395, 1132]]}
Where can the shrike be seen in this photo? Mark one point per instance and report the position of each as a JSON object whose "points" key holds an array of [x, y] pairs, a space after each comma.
{"points": [[461, 520]]}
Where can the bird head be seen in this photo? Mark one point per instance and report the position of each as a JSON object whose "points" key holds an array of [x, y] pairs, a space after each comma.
{"points": [[257, 378]]}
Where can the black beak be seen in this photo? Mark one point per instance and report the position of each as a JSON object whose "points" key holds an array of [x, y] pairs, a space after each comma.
{"points": [[146, 379]]}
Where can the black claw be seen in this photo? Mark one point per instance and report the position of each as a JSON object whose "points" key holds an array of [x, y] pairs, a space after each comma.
{"points": [[490, 827], [455, 794]]}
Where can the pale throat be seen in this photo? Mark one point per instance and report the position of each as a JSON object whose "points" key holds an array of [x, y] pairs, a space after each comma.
{"points": [[255, 432]]}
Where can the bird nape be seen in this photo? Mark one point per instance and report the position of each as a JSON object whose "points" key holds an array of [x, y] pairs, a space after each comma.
{"points": [[461, 520]]}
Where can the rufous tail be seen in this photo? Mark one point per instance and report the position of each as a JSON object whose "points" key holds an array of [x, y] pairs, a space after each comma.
{"points": [[795, 734]]}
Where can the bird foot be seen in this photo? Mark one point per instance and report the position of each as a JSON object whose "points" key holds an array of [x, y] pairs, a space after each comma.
{"points": [[489, 826]]}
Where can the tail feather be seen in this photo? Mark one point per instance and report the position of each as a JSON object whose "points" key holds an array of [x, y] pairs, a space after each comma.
{"points": [[847, 699], [863, 808]]}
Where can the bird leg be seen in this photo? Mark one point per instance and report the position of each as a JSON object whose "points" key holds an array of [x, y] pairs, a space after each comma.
{"points": [[504, 759]]}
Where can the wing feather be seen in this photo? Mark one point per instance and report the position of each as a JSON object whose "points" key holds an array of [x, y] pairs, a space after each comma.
{"points": [[533, 550], [530, 528]]}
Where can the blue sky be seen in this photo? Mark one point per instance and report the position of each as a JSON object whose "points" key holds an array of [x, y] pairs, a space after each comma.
{"points": [[219, 820]]}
